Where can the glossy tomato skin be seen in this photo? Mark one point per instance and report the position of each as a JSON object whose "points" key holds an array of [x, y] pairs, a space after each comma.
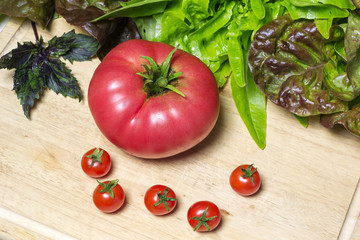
{"points": [[151, 197], [243, 185], [158, 126], [197, 210], [104, 202], [97, 169]]}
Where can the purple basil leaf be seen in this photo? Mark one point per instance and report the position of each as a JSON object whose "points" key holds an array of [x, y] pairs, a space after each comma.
{"points": [[60, 79], [28, 80]]}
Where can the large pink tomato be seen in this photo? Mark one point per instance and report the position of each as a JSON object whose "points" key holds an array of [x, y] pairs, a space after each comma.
{"points": [[153, 101]]}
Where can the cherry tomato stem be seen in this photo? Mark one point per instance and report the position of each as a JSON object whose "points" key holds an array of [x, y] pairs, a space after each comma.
{"points": [[163, 199], [95, 156], [245, 180], [108, 187], [160, 199], [108, 196], [204, 216], [96, 162], [203, 220]]}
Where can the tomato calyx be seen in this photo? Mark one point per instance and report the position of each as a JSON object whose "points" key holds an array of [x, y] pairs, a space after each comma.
{"points": [[158, 78], [108, 187], [248, 173], [95, 156], [203, 220], [164, 199]]}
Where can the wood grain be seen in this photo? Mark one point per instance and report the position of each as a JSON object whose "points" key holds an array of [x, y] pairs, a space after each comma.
{"points": [[309, 174]]}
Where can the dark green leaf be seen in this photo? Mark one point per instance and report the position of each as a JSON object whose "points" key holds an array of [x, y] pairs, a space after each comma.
{"points": [[37, 11], [108, 33], [136, 8]]}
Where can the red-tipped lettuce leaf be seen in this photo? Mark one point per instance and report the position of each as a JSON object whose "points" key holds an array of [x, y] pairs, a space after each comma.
{"points": [[288, 58], [350, 120]]}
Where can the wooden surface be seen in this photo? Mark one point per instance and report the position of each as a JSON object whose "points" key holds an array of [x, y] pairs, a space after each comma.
{"points": [[309, 174]]}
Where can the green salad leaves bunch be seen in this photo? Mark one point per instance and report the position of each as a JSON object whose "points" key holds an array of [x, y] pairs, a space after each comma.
{"points": [[220, 33]]}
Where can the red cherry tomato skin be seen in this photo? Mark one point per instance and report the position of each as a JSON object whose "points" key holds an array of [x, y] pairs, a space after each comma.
{"points": [[158, 126], [97, 170], [105, 203], [197, 209], [243, 185], [151, 197]]}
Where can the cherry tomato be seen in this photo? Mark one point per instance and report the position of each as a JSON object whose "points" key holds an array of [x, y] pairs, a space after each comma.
{"points": [[160, 199], [144, 96], [96, 162], [108, 196], [245, 180], [204, 216]]}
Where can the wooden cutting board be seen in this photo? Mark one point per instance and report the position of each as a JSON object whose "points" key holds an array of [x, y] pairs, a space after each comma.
{"points": [[309, 174]]}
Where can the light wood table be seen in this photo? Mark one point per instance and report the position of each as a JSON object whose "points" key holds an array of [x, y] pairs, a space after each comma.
{"points": [[309, 174]]}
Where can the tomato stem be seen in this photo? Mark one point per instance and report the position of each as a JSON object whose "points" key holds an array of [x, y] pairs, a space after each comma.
{"points": [[157, 78], [248, 173], [203, 220], [95, 156], [108, 187], [164, 199]]}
